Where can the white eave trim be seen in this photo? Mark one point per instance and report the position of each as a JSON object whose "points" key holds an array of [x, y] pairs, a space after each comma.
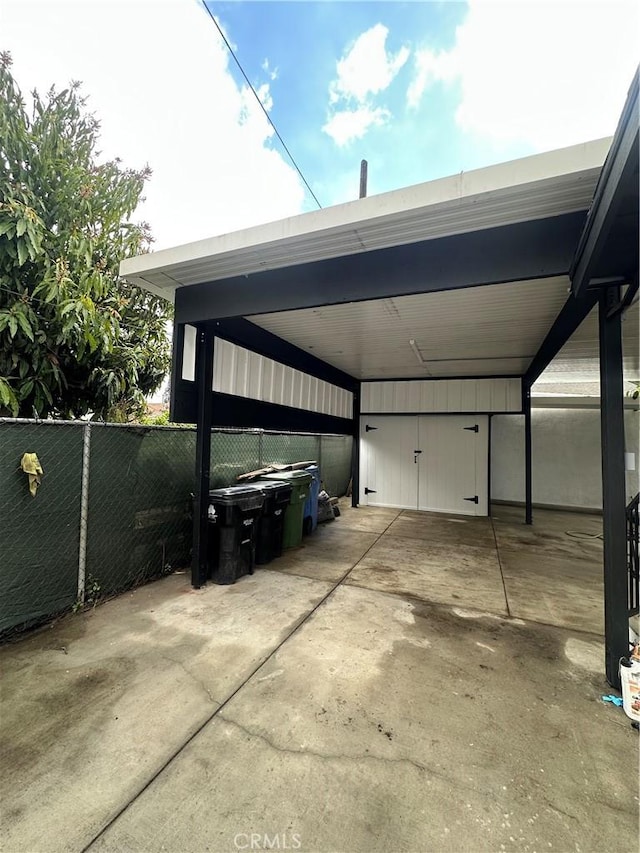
{"points": [[160, 271]]}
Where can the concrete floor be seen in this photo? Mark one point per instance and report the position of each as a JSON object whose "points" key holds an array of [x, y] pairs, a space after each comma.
{"points": [[402, 682]]}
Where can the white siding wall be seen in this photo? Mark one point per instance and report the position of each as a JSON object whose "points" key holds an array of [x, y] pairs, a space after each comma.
{"points": [[244, 373], [565, 457], [442, 395]]}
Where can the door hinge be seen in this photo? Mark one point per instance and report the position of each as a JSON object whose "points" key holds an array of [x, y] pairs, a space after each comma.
{"points": [[474, 499], [370, 491], [474, 428], [369, 428]]}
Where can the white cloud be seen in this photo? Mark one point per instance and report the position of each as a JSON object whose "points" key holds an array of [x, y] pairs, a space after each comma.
{"points": [[365, 70], [548, 74], [346, 125], [272, 72], [431, 66], [157, 76]]}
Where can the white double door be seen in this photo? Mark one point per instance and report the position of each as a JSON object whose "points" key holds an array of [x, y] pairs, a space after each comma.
{"points": [[427, 462]]}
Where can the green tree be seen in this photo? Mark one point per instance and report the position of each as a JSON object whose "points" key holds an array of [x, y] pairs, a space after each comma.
{"points": [[73, 338]]}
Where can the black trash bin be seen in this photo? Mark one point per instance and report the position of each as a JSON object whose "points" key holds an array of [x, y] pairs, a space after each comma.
{"points": [[233, 525], [271, 524]]}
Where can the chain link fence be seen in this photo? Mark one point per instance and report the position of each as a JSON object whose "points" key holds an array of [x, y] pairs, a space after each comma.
{"points": [[114, 506]]}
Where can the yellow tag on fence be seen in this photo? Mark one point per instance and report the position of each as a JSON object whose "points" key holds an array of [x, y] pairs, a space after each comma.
{"points": [[31, 466]]}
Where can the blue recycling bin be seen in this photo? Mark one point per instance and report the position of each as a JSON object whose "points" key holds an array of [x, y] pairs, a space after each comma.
{"points": [[311, 506]]}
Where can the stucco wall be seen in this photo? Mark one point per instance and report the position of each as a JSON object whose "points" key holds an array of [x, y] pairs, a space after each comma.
{"points": [[565, 455]]}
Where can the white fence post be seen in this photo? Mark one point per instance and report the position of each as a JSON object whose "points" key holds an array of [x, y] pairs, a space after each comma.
{"points": [[84, 511]]}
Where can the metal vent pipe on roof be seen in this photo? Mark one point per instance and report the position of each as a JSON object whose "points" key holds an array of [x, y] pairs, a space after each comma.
{"points": [[363, 178]]}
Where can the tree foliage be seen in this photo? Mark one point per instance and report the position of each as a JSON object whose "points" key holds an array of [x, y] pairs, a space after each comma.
{"points": [[73, 339]]}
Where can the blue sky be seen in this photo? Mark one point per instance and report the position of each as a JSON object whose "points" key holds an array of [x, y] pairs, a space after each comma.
{"points": [[420, 89], [304, 41], [413, 140]]}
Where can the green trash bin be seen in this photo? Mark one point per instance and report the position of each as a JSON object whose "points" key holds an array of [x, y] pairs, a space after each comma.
{"points": [[300, 481]]}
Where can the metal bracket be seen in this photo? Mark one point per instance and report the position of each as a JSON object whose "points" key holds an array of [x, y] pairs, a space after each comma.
{"points": [[370, 491], [369, 428], [474, 428], [626, 301], [474, 499]]}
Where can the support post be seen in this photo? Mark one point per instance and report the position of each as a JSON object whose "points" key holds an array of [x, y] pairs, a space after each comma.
{"points": [[489, 466], [528, 482], [204, 375], [84, 512], [616, 623], [355, 454]]}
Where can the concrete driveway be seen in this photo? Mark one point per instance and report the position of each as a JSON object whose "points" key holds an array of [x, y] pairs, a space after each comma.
{"points": [[403, 682]]}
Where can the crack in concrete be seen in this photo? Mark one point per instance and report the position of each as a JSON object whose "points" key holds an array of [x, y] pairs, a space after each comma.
{"points": [[502, 578], [328, 756], [559, 811], [194, 677]]}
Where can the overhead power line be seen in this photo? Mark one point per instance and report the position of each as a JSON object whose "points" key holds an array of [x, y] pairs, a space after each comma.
{"points": [[262, 107]]}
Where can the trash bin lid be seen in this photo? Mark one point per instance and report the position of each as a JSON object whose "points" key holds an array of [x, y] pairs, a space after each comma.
{"points": [[272, 486], [297, 478], [237, 496]]}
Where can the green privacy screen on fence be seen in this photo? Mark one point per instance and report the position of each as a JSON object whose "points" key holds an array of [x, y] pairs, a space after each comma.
{"points": [[39, 537], [233, 453], [138, 520], [138, 483]]}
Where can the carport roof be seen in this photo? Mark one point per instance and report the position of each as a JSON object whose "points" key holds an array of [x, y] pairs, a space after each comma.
{"points": [[454, 223], [531, 188]]}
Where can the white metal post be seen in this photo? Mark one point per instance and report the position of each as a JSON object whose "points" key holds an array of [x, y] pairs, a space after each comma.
{"points": [[84, 511]]}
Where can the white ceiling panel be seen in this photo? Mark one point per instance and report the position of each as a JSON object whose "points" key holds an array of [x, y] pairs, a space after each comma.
{"points": [[494, 330]]}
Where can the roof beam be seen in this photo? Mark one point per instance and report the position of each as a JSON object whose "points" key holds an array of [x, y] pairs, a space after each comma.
{"points": [[619, 172], [245, 412], [517, 252], [573, 312]]}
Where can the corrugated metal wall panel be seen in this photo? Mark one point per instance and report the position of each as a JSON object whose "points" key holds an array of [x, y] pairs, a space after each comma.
{"points": [[346, 403], [320, 397], [440, 396], [246, 374], [371, 396], [365, 396], [514, 396], [483, 395], [223, 367], [189, 353], [254, 376], [267, 380]]}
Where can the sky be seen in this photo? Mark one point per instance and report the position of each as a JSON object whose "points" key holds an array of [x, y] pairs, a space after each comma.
{"points": [[420, 89]]}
